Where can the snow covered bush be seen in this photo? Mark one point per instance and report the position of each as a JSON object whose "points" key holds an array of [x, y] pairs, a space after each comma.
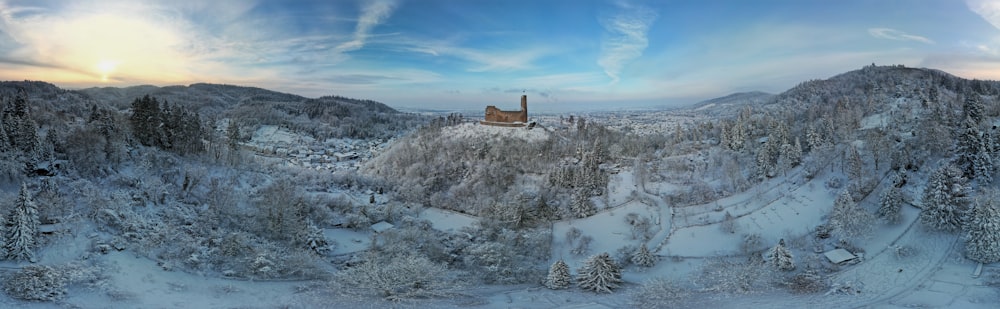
{"points": [[726, 275], [599, 274], [398, 279], [659, 293], [728, 224], [558, 277], [982, 231], [751, 243], [944, 199], [643, 257], [623, 256], [807, 282], [582, 245], [36, 282]]}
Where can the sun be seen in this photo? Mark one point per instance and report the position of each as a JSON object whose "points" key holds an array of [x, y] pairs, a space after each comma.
{"points": [[105, 67]]}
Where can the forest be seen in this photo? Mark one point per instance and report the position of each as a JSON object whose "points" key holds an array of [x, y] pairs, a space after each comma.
{"points": [[573, 204]]}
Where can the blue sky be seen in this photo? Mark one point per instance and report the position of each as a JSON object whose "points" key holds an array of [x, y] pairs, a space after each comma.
{"points": [[565, 55]]}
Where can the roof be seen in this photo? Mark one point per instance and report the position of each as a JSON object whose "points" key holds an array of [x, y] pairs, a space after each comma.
{"points": [[838, 256]]}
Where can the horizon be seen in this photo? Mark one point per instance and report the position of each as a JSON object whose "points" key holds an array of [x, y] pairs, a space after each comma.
{"points": [[459, 56]]}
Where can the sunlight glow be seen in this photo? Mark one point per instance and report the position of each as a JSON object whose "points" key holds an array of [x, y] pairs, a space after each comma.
{"points": [[105, 67]]}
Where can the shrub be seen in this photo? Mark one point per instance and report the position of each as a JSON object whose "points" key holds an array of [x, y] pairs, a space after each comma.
{"points": [[36, 282]]}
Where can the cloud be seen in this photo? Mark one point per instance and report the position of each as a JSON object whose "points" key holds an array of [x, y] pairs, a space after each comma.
{"points": [[484, 60], [893, 34], [626, 38], [987, 9], [374, 13]]}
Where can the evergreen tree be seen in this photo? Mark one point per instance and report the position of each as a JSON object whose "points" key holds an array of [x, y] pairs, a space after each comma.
{"points": [[974, 108], [599, 274], [233, 133], [780, 257], [848, 219], [558, 277], [643, 257], [315, 241], [582, 207], [145, 120], [855, 166], [982, 231], [889, 205], [944, 199], [22, 227]]}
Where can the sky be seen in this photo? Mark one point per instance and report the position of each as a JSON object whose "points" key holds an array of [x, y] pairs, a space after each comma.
{"points": [[454, 54]]}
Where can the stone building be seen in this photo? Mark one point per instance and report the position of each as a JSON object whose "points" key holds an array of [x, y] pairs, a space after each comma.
{"points": [[497, 117]]}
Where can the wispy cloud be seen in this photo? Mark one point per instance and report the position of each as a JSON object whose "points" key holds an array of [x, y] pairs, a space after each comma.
{"points": [[987, 9], [374, 13], [625, 38], [482, 59], [893, 34]]}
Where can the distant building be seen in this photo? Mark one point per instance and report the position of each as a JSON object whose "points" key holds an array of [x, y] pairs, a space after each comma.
{"points": [[497, 117]]}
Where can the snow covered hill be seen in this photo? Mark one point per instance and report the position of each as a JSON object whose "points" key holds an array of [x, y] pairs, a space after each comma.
{"points": [[741, 201]]}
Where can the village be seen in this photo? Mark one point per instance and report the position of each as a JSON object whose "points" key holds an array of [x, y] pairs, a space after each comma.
{"points": [[300, 150]]}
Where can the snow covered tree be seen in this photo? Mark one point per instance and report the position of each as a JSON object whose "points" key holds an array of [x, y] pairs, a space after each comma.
{"points": [[558, 277], [643, 257], [848, 219], [889, 205], [944, 199], [315, 241], [582, 207], [599, 274], [974, 108], [982, 231], [855, 166], [780, 257], [975, 155], [22, 227], [765, 166]]}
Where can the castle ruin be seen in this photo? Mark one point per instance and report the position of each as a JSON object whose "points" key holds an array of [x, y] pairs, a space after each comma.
{"points": [[496, 117]]}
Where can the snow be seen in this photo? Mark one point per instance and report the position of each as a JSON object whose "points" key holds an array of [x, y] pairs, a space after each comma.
{"points": [[475, 130], [381, 226], [838, 256], [447, 220]]}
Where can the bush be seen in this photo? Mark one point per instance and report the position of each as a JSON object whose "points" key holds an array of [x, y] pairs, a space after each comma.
{"points": [[807, 282], [36, 282], [659, 293], [398, 279]]}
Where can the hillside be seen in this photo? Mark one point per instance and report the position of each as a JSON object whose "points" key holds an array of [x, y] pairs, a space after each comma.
{"points": [[238, 196]]}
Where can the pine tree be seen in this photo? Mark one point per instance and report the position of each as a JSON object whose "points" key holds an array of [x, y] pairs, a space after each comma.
{"points": [[599, 274], [582, 207], [558, 277], [944, 199], [974, 108], [315, 241], [889, 205], [971, 150], [982, 231], [780, 257], [855, 166], [848, 219], [643, 257], [22, 227]]}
